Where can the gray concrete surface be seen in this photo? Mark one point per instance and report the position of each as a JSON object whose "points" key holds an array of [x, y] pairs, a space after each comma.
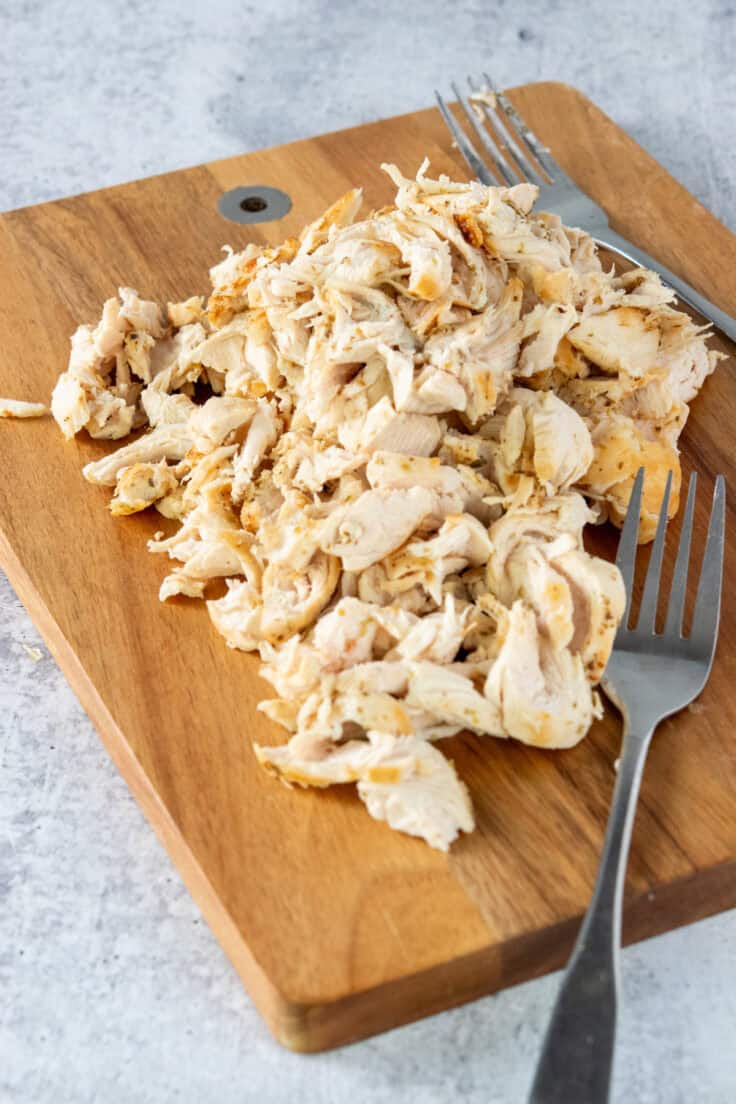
{"points": [[112, 988]]}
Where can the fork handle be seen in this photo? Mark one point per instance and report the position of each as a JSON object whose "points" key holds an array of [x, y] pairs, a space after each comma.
{"points": [[577, 1056], [617, 243]]}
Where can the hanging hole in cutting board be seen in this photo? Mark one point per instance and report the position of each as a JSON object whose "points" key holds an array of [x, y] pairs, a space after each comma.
{"points": [[254, 203]]}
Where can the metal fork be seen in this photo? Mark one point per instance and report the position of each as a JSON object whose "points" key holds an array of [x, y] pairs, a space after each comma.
{"points": [[649, 676], [516, 154]]}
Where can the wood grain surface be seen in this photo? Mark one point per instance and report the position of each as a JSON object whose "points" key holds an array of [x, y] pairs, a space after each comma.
{"points": [[338, 926]]}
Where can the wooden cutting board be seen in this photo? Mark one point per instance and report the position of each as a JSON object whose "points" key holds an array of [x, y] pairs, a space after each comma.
{"points": [[338, 926]]}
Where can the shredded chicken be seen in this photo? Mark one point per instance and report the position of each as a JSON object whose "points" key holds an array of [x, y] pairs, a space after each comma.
{"points": [[387, 437], [17, 408]]}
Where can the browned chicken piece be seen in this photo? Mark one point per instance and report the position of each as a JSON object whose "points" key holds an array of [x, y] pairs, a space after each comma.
{"points": [[622, 446], [18, 408], [190, 310], [140, 485], [625, 339]]}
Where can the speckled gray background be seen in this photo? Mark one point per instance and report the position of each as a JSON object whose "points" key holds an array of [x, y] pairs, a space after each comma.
{"points": [[112, 988]]}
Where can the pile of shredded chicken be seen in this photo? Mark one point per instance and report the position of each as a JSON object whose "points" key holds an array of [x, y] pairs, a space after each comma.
{"points": [[387, 437]]}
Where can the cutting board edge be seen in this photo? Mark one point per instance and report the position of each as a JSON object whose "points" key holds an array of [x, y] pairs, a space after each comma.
{"points": [[264, 994], [312, 1027], [219, 162], [212, 166]]}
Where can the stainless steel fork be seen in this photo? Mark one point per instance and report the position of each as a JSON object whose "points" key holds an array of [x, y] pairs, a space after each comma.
{"points": [[516, 154], [649, 676]]}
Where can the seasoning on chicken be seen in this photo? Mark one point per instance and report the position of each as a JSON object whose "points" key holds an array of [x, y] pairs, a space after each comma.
{"points": [[140, 485], [387, 437]]}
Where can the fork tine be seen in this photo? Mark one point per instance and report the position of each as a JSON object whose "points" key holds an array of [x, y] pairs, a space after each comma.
{"points": [[495, 155], [628, 541], [542, 154], [463, 144], [648, 608], [500, 121], [678, 590], [708, 601]]}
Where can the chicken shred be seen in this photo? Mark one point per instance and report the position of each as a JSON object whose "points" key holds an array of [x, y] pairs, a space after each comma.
{"points": [[387, 437], [18, 408]]}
